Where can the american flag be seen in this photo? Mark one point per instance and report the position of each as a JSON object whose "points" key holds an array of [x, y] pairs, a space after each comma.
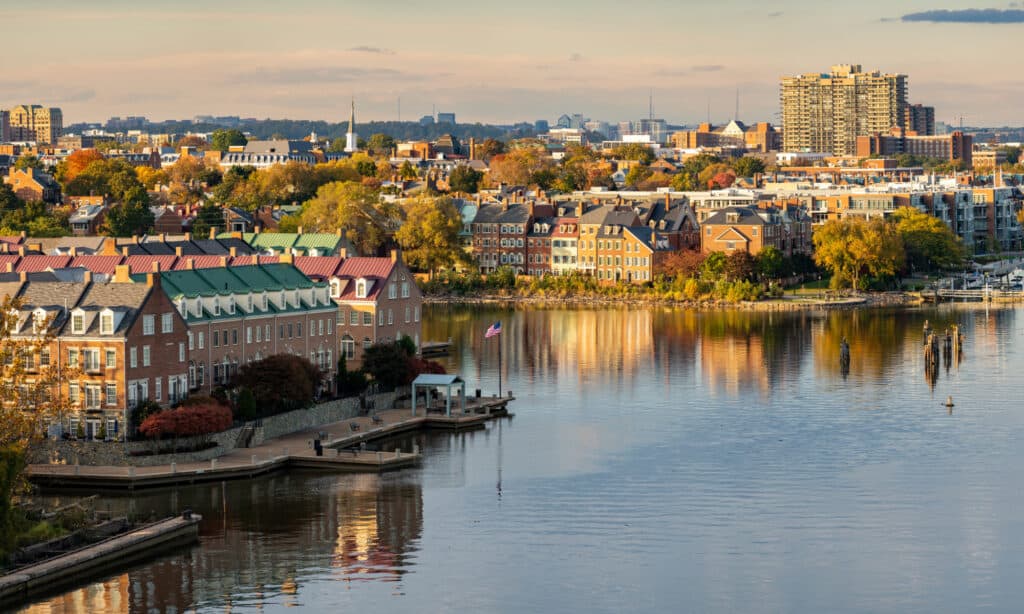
{"points": [[495, 329]]}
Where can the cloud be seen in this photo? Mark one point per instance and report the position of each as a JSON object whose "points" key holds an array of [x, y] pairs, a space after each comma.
{"points": [[575, 57], [368, 49], [997, 16], [707, 68], [321, 75]]}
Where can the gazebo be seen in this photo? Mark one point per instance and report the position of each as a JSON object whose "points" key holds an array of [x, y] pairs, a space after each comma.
{"points": [[432, 380]]}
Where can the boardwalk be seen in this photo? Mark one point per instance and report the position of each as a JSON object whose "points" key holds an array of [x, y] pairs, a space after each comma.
{"points": [[341, 441]]}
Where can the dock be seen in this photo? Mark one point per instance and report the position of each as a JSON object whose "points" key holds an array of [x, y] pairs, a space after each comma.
{"points": [[433, 349], [80, 565], [342, 446]]}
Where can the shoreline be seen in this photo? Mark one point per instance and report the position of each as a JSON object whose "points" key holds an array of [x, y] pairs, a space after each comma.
{"points": [[861, 301]]}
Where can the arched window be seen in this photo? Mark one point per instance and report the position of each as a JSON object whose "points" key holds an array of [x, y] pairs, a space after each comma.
{"points": [[348, 347]]}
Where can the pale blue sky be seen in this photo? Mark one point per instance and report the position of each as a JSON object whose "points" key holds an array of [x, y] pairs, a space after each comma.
{"points": [[491, 61]]}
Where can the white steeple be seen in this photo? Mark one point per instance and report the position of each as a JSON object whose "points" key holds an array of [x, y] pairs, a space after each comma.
{"points": [[351, 138]]}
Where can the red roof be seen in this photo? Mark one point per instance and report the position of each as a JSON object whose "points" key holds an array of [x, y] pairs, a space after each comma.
{"points": [[251, 259], [12, 240], [200, 262], [144, 264], [375, 269], [35, 264], [6, 259], [318, 267], [98, 264]]}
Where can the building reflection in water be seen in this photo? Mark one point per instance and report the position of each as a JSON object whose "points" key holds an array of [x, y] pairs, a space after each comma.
{"points": [[258, 540]]}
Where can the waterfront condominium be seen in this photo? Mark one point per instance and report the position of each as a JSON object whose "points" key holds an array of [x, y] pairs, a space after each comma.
{"points": [[827, 112]]}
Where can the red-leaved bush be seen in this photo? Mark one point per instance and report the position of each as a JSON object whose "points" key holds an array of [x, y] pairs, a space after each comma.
{"points": [[187, 421]]}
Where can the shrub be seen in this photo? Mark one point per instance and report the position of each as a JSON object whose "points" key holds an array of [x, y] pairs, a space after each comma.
{"points": [[188, 421], [279, 383]]}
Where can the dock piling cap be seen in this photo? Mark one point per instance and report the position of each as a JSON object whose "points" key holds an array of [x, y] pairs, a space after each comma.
{"points": [[949, 401]]}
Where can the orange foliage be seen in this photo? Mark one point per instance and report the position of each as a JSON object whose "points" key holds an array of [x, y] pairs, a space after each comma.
{"points": [[187, 421], [77, 161]]}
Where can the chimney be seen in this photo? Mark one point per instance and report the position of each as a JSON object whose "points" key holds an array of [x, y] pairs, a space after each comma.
{"points": [[579, 210], [532, 207], [124, 251], [233, 251], [87, 276], [156, 266], [299, 230], [654, 240], [224, 261], [213, 232], [153, 280], [343, 253], [178, 251], [162, 237], [10, 267], [504, 204], [286, 259], [668, 202], [190, 264], [122, 274], [135, 239], [21, 250], [23, 276], [188, 236], [73, 251], [24, 234], [257, 228], [396, 256], [337, 232]]}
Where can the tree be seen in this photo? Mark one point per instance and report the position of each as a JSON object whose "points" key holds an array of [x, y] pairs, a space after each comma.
{"points": [[115, 179], [770, 263], [853, 247], [407, 171], [388, 364], [489, 148], [430, 235], [194, 420], [209, 216], [282, 382], [128, 219], [380, 144], [191, 140], [748, 166], [524, 165], [713, 266], [740, 266], [634, 151], [355, 209], [464, 178], [222, 140], [637, 173], [37, 219], [8, 199], [929, 243], [28, 161], [76, 162], [682, 264]]}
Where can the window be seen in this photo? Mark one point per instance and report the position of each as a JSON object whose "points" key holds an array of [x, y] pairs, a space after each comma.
{"points": [[259, 334], [348, 347], [354, 318], [407, 314], [298, 329], [106, 324], [73, 392], [92, 396], [405, 289], [335, 288], [234, 337], [330, 326], [191, 342], [248, 334], [91, 360], [181, 352], [78, 323], [133, 358], [291, 329], [145, 356], [148, 324], [111, 394], [380, 318], [73, 358], [202, 341], [280, 332], [158, 389], [111, 359], [361, 288], [367, 318], [167, 323], [216, 338], [391, 317], [144, 389], [266, 332], [320, 328], [44, 357], [392, 290], [366, 343], [416, 314]]}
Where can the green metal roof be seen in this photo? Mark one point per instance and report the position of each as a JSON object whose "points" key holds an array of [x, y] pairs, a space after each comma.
{"points": [[318, 240], [273, 240]]}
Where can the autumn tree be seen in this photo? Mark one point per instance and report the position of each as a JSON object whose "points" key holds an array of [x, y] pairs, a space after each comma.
{"points": [[852, 248], [28, 161], [634, 151], [407, 171], [740, 266], [380, 144], [115, 179], [75, 163], [748, 166], [430, 234], [151, 177], [524, 165], [684, 264], [770, 263], [464, 178], [222, 140], [191, 140], [355, 209], [8, 199], [489, 148], [928, 242]]}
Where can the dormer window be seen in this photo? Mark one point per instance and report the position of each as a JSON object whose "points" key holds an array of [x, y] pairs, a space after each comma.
{"points": [[77, 322], [360, 288], [39, 320], [216, 306], [231, 304], [106, 322], [335, 288]]}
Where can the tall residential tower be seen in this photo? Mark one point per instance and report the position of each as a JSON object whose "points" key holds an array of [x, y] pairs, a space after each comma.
{"points": [[826, 112]]}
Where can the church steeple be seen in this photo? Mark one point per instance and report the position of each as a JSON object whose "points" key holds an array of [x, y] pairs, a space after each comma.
{"points": [[351, 138]]}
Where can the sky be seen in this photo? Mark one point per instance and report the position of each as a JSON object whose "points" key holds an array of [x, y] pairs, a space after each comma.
{"points": [[498, 62]]}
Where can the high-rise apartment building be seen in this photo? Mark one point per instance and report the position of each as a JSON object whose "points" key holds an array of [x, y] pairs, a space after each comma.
{"points": [[5, 126], [31, 122], [920, 119], [826, 112]]}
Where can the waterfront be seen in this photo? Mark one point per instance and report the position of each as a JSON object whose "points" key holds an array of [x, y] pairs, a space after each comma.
{"points": [[660, 459]]}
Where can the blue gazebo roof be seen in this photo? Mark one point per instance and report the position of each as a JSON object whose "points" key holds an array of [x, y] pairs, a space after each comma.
{"points": [[434, 379]]}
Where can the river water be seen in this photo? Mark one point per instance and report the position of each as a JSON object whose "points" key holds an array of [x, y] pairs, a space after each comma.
{"points": [[658, 460]]}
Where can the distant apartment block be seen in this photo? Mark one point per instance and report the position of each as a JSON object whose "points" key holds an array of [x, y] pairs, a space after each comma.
{"points": [[31, 122], [826, 112], [446, 118], [762, 136], [5, 126], [920, 120], [952, 147]]}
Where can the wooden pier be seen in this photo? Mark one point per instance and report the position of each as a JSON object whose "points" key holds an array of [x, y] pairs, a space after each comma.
{"points": [[341, 443], [433, 349]]}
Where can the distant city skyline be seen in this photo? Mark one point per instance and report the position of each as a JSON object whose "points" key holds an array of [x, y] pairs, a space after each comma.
{"points": [[515, 62]]}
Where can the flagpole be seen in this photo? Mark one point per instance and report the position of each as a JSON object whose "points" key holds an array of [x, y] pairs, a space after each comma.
{"points": [[499, 366]]}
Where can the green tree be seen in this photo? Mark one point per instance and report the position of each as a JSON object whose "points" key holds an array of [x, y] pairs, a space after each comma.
{"points": [[209, 216], [355, 209], [489, 148], [770, 263], [852, 248], [929, 243], [8, 199], [388, 364], [407, 171], [740, 266], [28, 161], [464, 178], [280, 383], [127, 219], [222, 140], [380, 144], [634, 151], [430, 235], [748, 166], [637, 174], [713, 266]]}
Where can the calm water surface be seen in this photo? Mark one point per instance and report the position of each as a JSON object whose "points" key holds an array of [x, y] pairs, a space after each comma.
{"points": [[659, 460]]}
